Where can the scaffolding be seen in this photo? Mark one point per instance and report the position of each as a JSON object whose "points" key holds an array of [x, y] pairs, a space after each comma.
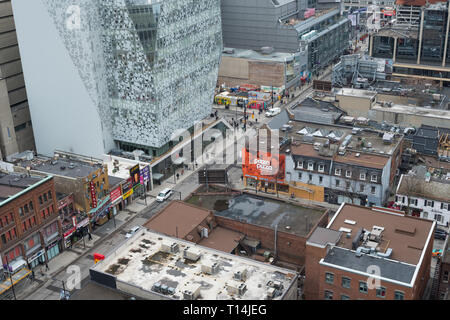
{"points": [[357, 71]]}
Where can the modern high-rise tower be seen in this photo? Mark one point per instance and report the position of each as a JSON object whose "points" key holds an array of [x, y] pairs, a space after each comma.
{"points": [[108, 74]]}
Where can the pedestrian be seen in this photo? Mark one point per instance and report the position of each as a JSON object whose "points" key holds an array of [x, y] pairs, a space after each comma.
{"points": [[46, 267], [90, 236], [178, 176]]}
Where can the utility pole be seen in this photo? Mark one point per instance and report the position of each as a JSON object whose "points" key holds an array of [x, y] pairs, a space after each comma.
{"points": [[10, 277]]}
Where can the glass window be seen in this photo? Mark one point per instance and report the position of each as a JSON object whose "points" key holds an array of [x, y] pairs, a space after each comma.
{"points": [[337, 183], [344, 297], [381, 292], [50, 195], [399, 295], [362, 176], [346, 282], [329, 277], [299, 175], [300, 164], [320, 179], [445, 276], [348, 173], [363, 287], [328, 295], [337, 172], [40, 200], [373, 189], [373, 178], [310, 166], [45, 197], [321, 167]]}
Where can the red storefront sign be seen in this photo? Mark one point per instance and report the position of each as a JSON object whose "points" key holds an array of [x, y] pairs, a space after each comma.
{"points": [[93, 195], [116, 194], [263, 166]]}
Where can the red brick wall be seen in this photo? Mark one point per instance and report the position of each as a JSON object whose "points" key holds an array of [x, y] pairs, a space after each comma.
{"points": [[353, 291], [290, 248], [14, 206]]}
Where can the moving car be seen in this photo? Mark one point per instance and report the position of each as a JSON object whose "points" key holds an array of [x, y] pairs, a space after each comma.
{"points": [[273, 112], [132, 231], [163, 195]]}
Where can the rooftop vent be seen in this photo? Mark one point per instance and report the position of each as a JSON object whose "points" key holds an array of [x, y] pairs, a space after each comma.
{"points": [[210, 267], [234, 287], [191, 292], [191, 254]]}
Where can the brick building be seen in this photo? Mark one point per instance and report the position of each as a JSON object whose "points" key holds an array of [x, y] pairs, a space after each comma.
{"points": [[29, 225], [361, 246], [85, 177]]}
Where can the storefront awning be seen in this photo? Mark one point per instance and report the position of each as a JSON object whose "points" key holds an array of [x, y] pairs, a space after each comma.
{"points": [[179, 161], [157, 176], [100, 205]]}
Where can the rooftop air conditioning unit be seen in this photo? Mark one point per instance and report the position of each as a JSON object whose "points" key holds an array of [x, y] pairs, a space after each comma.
{"points": [[234, 287], [191, 292], [241, 275], [169, 247], [157, 287], [210, 267], [191, 254], [271, 293]]}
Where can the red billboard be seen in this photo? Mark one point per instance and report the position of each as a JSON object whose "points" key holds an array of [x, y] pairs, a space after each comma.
{"points": [[116, 194], [263, 166]]}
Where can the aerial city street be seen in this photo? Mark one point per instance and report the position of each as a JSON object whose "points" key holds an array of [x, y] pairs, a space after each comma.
{"points": [[224, 150]]}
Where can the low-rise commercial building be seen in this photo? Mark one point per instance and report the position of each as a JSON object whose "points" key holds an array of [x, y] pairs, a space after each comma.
{"points": [[369, 253], [30, 229], [85, 177], [157, 267], [423, 194]]}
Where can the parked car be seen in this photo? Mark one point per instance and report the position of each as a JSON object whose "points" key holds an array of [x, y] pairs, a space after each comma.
{"points": [[163, 195], [273, 112], [437, 252], [132, 231], [440, 234]]}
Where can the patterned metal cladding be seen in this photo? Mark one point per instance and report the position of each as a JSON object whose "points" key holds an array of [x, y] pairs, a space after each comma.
{"points": [[150, 66]]}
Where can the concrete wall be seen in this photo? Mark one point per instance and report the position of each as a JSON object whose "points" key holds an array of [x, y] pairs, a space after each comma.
{"points": [[253, 24], [66, 119], [354, 106], [290, 247], [139, 292], [408, 120], [237, 71]]}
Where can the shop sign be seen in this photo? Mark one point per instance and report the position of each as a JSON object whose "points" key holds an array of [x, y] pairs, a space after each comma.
{"points": [[68, 233], [83, 223], [93, 195], [263, 166], [116, 194], [135, 175], [35, 256], [129, 193], [145, 174]]}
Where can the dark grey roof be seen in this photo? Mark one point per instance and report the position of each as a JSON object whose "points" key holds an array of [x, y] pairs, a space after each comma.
{"points": [[62, 167], [323, 236], [114, 181], [18, 180], [428, 133], [389, 269], [279, 120]]}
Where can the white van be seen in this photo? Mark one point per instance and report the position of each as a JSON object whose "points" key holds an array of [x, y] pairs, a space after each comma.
{"points": [[132, 231], [163, 195]]}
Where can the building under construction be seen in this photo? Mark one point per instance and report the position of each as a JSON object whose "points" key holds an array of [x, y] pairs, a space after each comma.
{"points": [[359, 71], [416, 41]]}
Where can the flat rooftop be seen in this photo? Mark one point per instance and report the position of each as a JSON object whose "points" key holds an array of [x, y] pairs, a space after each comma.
{"points": [[12, 184], [178, 219], [412, 110], [407, 236], [359, 93], [255, 55], [389, 269], [140, 263], [61, 167], [313, 132], [118, 167], [262, 211], [416, 186]]}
